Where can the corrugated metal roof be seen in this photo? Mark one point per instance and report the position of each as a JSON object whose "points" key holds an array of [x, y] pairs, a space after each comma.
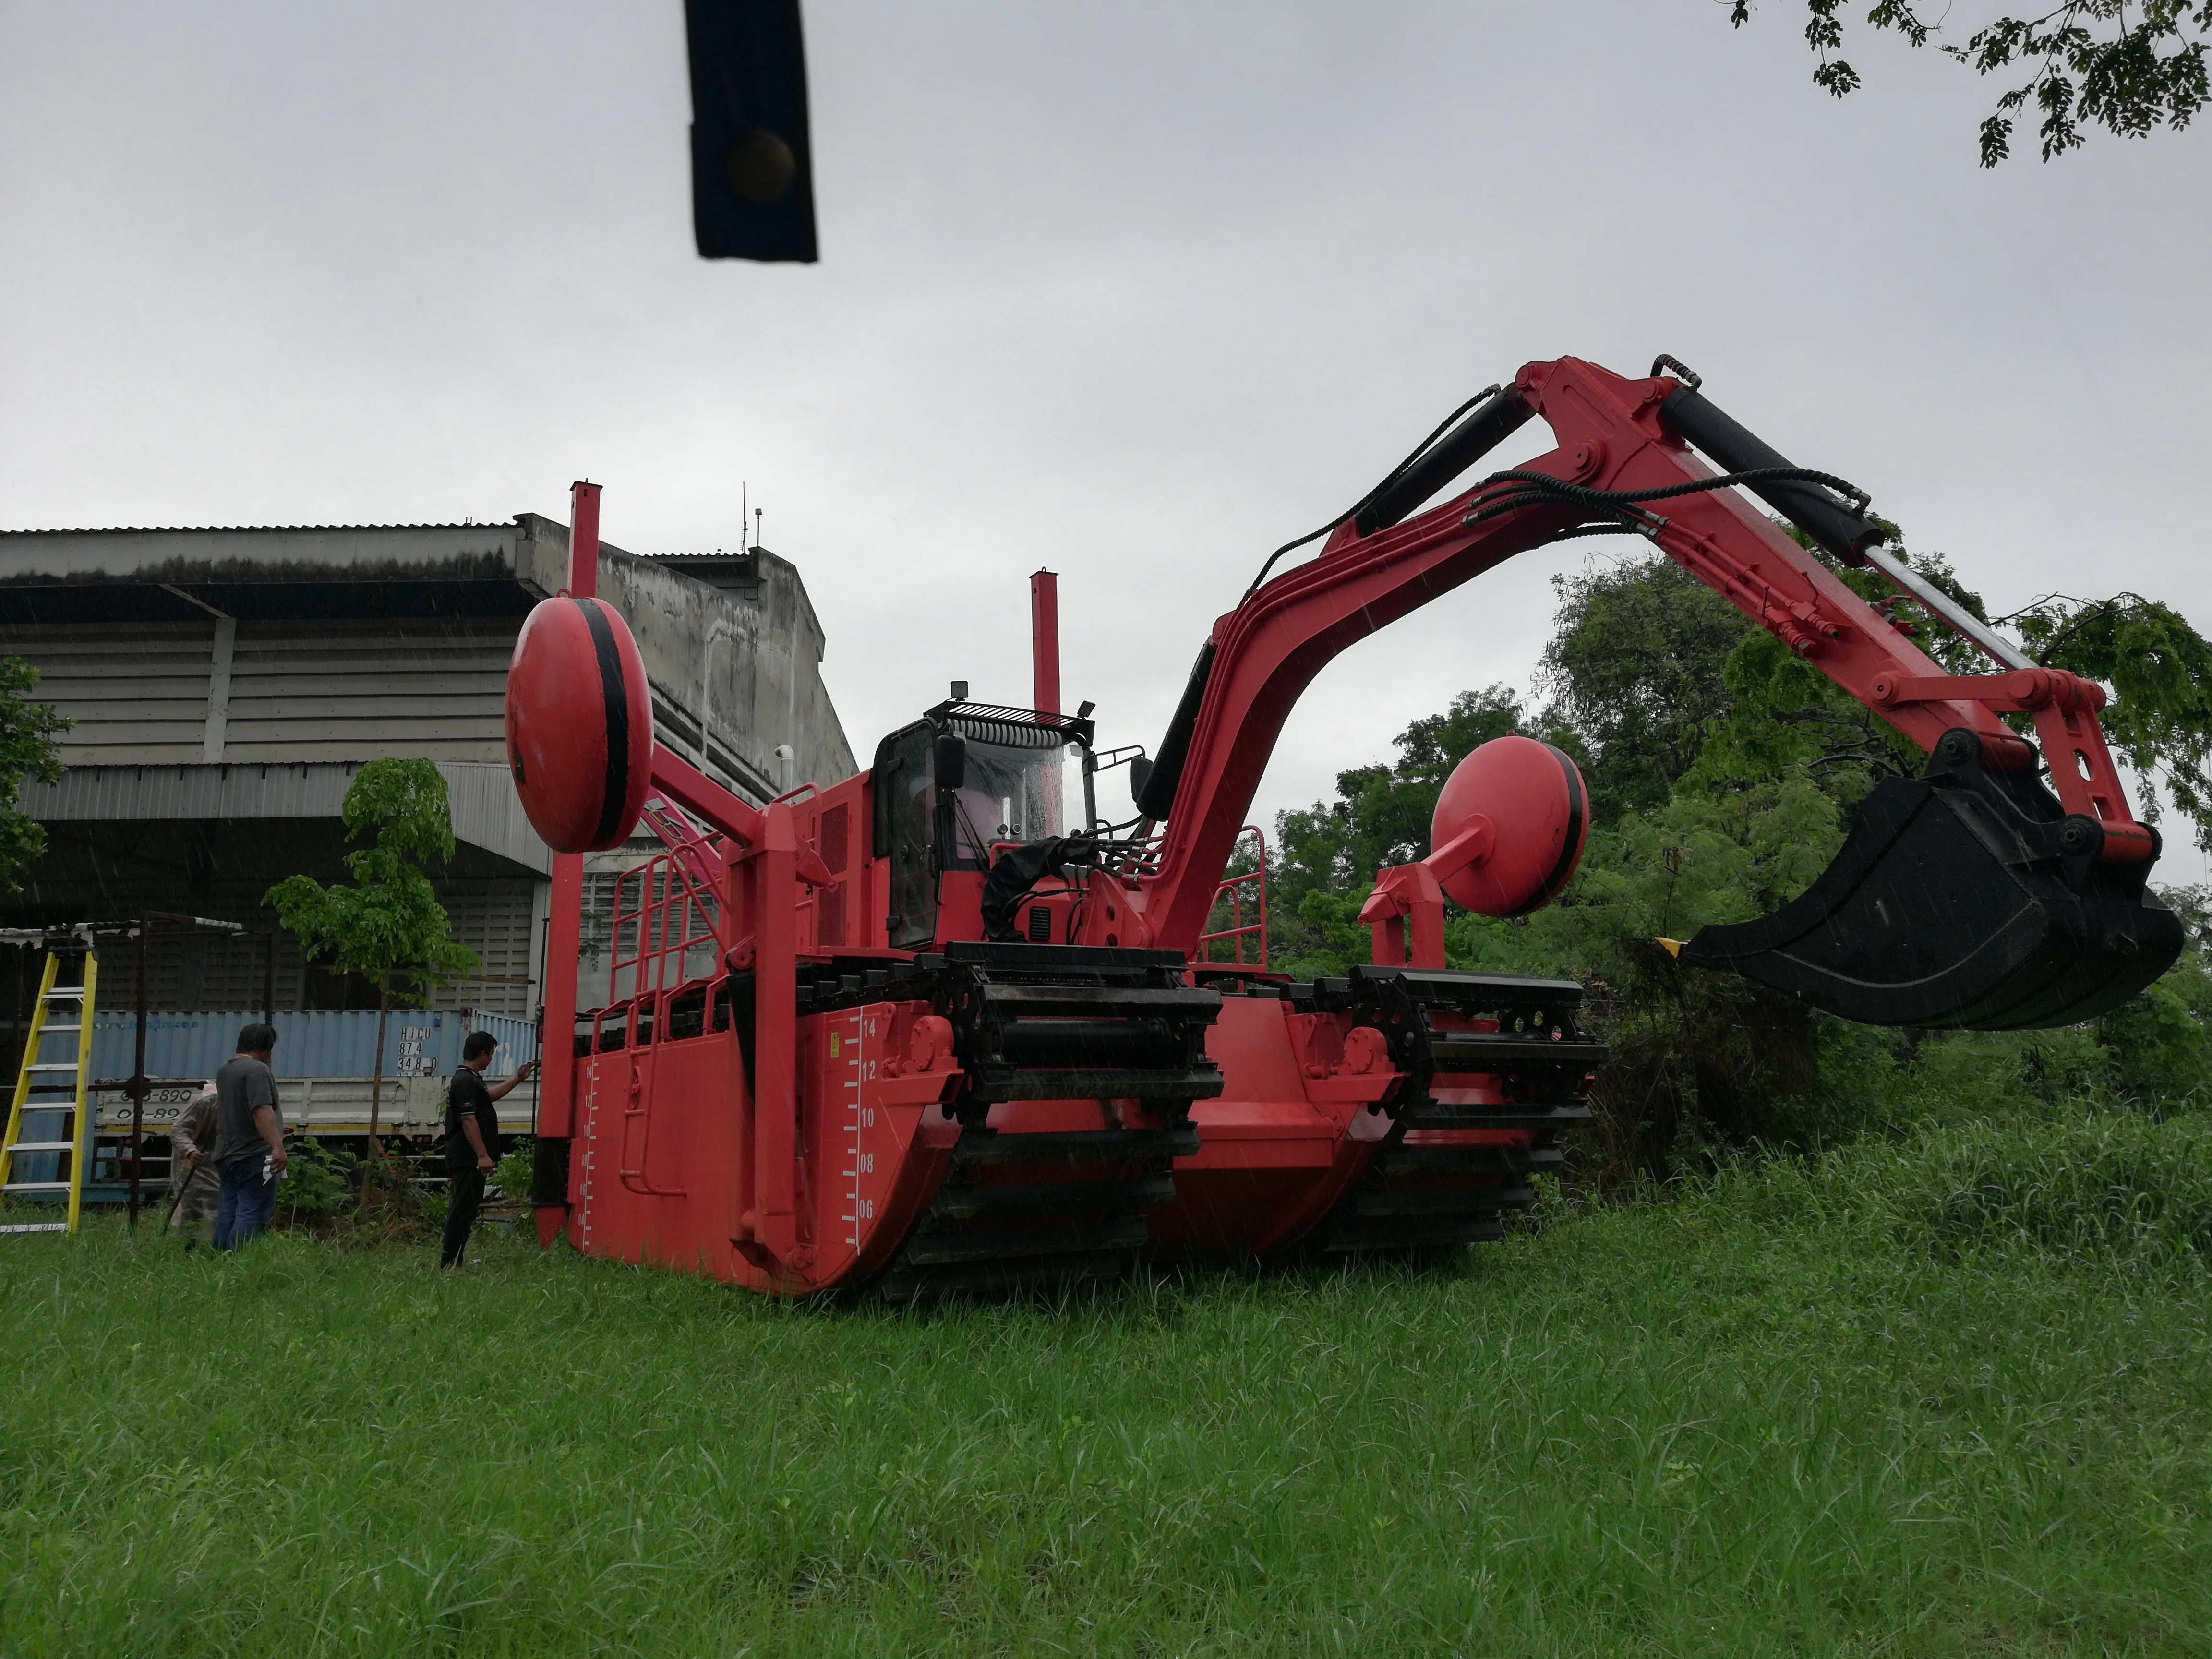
{"points": [[248, 529], [486, 810], [200, 791]]}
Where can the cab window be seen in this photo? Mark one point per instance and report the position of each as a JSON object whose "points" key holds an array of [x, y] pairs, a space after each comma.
{"points": [[903, 800]]}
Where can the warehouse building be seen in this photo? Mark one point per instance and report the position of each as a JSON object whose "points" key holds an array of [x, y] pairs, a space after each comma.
{"points": [[226, 684]]}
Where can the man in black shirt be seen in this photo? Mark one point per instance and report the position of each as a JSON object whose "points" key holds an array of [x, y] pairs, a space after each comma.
{"points": [[472, 1140]]}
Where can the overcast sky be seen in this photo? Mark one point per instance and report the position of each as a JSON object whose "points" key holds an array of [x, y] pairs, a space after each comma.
{"points": [[1135, 292]]}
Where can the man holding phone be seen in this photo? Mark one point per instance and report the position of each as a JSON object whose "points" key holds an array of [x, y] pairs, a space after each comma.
{"points": [[472, 1140]]}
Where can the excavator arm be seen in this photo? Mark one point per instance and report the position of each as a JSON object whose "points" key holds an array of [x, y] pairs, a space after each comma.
{"points": [[1975, 895]]}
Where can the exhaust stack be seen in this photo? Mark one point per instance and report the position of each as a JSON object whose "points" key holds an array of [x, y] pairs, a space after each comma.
{"points": [[1044, 641]]}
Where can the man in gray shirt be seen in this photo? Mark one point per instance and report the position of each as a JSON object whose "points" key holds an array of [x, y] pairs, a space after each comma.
{"points": [[249, 1140]]}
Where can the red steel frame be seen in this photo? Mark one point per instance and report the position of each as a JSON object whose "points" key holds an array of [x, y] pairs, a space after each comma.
{"points": [[795, 1157]]}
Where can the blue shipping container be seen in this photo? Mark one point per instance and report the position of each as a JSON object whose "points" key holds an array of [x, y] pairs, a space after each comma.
{"points": [[321, 1043]]}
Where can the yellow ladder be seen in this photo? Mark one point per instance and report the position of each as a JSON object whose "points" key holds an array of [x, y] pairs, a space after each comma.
{"points": [[36, 1086]]}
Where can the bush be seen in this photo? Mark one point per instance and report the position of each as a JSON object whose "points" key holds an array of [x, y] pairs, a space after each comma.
{"points": [[513, 1176], [2158, 1044], [318, 1181]]}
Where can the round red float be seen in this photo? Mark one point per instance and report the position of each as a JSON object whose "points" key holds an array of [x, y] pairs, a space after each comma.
{"points": [[1509, 827], [579, 724]]}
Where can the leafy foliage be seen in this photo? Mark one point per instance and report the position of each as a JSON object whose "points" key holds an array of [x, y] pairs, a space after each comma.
{"points": [[318, 1181], [2129, 68], [390, 926], [513, 1174], [27, 750], [1635, 672], [1381, 814]]}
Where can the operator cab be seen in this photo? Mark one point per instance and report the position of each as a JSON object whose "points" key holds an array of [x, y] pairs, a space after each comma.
{"points": [[966, 777]]}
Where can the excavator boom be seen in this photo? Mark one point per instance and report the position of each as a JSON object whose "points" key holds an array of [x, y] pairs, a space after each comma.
{"points": [[1976, 896]]}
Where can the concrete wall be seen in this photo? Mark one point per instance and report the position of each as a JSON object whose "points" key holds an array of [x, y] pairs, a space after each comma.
{"points": [[745, 648]]}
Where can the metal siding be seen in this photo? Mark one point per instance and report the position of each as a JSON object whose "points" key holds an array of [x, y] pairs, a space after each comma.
{"points": [[151, 793], [315, 1043], [303, 689], [138, 691]]}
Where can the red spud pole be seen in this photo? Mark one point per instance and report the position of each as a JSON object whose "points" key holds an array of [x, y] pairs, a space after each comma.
{"points": [[564, 916]]}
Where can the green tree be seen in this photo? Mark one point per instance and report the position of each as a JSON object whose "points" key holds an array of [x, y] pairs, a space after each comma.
{"points": [[389, 926], [27, 750], [1636, 671], [2129, 68]]}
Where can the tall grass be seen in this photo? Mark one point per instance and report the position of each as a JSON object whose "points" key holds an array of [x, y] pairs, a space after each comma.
{"points": [[2083, 1188], [1953, 1397]]}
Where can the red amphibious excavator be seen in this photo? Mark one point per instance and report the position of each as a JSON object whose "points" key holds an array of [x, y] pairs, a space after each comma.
{"points": [[937, 1030]]}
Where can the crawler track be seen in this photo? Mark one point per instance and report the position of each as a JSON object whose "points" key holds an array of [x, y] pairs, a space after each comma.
{"points": [[1117, 1030], [1496, 1069]]}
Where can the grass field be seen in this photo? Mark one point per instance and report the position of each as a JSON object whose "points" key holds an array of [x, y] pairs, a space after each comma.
{"points": [[1950, 1397]]}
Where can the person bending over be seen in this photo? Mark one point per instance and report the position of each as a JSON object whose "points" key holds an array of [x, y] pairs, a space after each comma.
{"points": [[472, 1140], [193, 1187]]}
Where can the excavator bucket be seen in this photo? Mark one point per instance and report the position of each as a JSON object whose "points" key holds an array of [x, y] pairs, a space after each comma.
{"points": [[1964, 898]]}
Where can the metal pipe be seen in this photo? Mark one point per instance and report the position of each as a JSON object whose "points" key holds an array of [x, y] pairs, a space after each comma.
{"points": [[584, 540], [1044, 641], [137, 1071], [1942, 605]]}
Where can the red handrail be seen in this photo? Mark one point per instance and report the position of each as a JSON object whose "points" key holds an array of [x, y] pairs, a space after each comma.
{"points": [[672, 916], [1232, 889]]}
